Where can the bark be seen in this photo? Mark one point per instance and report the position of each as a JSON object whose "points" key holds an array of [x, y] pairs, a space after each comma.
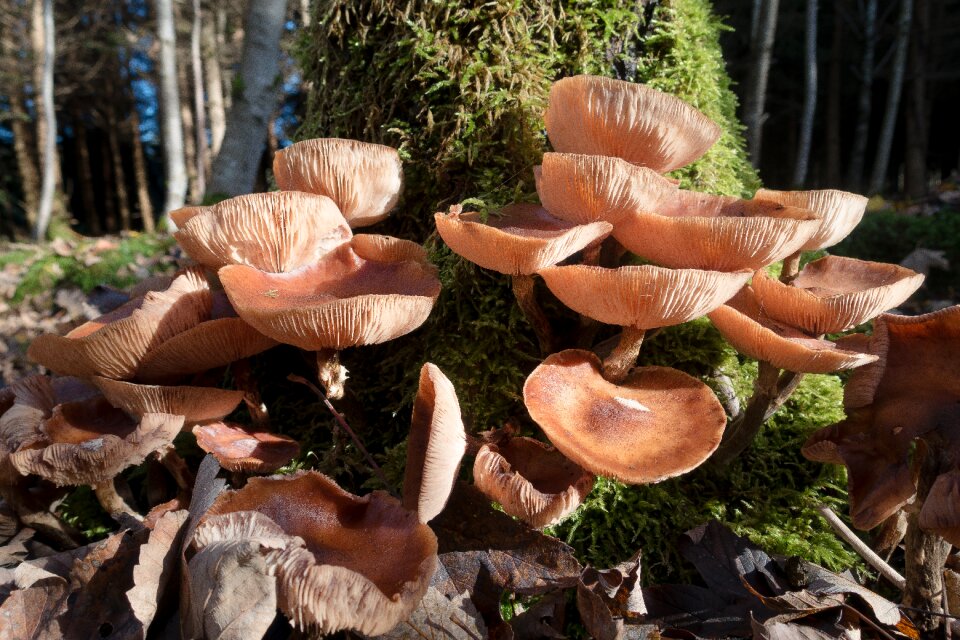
{"points": [[119, 175], [834, 177], [47, 126], [917, 107], [185, 87], [305, 13], [234, 171], [22, 147], [226, 73], [864, 100], [196, 64], [109, 204], [810, 98], [91, 213], [898, 66], [173, 160], [140, 173], [761, 49], [214, 84]]}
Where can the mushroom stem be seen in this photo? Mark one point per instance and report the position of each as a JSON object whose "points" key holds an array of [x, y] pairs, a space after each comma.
{"points": [[791, 267], [744, 427], [926, 554], [523, 289], [177, 467], [113, 504], [617, 365], [245, 381], [331, 374]]}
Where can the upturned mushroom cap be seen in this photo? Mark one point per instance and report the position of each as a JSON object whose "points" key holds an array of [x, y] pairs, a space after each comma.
{"points": [[833, 293], [364, 564], [436, 444], [658, 424], [115, 349], [679, 228], [520, 240], [364, 179], [245, 449], [744, 324], [839, 212], [531, 481], [341, 301], [941, 510], [275, 231], [195, 404], [584, 189], [644, 297], [602, 116]]}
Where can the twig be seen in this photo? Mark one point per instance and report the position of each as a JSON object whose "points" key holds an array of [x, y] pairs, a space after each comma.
{"points": [[861, 548], [346, 427]]}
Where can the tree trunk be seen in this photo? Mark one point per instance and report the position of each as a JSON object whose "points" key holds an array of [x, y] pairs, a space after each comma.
{"points": [[140, 173], [235, 169], [119, 175], [305, 13], [761, 49], [173, 160], [810, 98], [26, 161], [917, 107], [109, 202], [196, 64], [185, 87], [834, 176], [47, 126], [214, 82], [898, 66], [865, 99], [91, 213], [226, 74]]}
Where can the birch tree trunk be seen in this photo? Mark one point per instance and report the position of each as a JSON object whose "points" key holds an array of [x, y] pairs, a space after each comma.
{"points": [[810, 98], [761, 49], [140, 173], [48, 127], [196, 63], [214, 83], [173, 160], [235, 168], [864, 101], [898, 65]]}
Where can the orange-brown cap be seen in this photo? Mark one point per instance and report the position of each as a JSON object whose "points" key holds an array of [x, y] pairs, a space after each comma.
{"points": [[606, 117], [658, 424], [195, 404], [436, 444], [352, 563], [644, 297], [531, 481], [245, 449], [341, 301], [839, 212], [275, 231], [520, 240], [835, 293], [744, 324], [364, 179]]}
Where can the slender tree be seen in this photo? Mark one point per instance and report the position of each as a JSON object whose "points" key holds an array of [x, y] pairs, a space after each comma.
{"points": [[865, 99], [48, 126], [761, 50], [140, 173], [196, 63], [810, 97], [173, 159], [214, 82]]}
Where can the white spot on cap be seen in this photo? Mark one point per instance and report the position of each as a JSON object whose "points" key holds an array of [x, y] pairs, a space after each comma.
{"points": [[92, 445], [631, 404]]}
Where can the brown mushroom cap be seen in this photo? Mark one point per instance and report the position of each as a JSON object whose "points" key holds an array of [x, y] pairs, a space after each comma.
{"points": [[658, 424], [532, 481], [744, 324], [602, 116], [436, 444], [275, 231], [521, 240], [244, 449], [341, 301], [364, 179], [370, 246], [366, 562], [195, 404], [584, 189], [645, 297], [941, 510], [833, 293], [679, 228], [114, 350], [839, 212]]}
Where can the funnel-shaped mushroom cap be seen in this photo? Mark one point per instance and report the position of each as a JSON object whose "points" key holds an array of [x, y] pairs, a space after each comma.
{"points": [[31, 400], [195, 404], [244, 449], [658, 424], [941, 510], [679, 228], [276, 231], [584, 189], [834, 294], [520, 240], [370, 246], [532, 481], [839, 212], [364, 563], [364, 179], [437, 443], [341, 301], [89, 442], [744, 324], [606, 117], [645, 297], [115, 349]]}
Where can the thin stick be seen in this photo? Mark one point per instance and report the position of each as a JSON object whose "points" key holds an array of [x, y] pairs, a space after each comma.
{"points": [[113, 504], [861, 548], [346, 427]]}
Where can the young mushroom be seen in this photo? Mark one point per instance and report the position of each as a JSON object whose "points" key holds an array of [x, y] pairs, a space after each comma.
{"points": [[244, 449]]}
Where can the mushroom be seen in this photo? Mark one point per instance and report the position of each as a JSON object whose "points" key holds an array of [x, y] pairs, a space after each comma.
{"points": [[602, 116], [195, 404], [657, 424], [839, 212], [243, 449]]}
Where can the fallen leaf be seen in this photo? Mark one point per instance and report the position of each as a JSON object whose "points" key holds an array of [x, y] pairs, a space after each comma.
{"points": [[156, 566], [543, 620]]}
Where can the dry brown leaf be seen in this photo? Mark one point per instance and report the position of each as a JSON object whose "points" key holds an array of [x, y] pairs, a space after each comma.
{"points": [[156, 566], [441, 615]]}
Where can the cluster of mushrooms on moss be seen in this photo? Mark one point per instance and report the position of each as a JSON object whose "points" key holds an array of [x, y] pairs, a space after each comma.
{"points": [[613, 238]]}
